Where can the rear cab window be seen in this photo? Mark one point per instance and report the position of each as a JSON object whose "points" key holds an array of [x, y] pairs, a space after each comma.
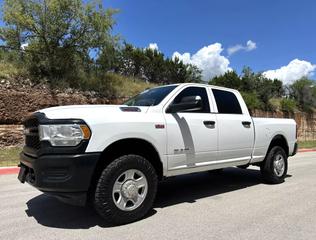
{"points": [[226, 101]]}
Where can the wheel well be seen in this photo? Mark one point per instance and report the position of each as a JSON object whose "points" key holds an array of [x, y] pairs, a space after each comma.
{"points": [[128, 146], [279, 140]]}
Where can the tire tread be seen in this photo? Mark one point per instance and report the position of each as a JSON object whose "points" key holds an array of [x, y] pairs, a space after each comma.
{"points": [[103, 201], [266, 167]]}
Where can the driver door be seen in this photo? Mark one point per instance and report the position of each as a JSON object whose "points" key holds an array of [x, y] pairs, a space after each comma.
{"points": [[192, 133]]}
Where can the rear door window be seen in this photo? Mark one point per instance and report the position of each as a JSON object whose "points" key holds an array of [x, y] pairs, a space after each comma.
{"points": [[226, 102]]}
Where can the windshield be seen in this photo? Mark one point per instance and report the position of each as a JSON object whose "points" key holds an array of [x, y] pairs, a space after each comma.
{"points": [[150, 97]]}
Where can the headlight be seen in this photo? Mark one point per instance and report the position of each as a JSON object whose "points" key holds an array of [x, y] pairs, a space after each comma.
{"points": [[64, 134]]}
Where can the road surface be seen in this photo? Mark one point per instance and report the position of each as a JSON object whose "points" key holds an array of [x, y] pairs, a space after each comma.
{"points": [[232, 205]]}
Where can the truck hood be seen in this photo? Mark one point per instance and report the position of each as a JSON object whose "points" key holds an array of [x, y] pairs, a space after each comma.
{"points": [[86, 111]]}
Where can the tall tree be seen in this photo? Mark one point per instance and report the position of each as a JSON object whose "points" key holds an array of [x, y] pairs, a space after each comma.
{"points": [[229, 79], [150, 65], [59, 34]]}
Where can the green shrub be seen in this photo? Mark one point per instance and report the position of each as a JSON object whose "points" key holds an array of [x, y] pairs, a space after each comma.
{"points": [[10, 70], [275, 104], [252, 101], [288, 105]]}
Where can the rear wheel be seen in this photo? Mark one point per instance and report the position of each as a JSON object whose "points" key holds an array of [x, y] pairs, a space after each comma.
{"points": [[274, 168], [126, 189]]}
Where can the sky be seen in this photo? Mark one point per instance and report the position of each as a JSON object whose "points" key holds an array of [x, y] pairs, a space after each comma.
{"points": [[276, 37]]}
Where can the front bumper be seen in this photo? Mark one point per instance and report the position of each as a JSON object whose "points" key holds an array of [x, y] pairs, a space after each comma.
{"points": [[64, 176]]}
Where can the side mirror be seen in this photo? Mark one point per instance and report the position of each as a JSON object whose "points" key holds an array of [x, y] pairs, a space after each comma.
{"points": [[189, 103]]}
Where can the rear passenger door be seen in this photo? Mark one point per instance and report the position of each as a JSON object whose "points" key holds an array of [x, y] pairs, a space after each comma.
{"points": [[235, 127]]}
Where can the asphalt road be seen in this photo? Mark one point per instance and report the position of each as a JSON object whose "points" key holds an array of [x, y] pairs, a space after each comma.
{"points": [[232, 205]]}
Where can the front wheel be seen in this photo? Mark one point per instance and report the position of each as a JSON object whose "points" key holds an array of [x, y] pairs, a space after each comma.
{"points": [[274, 168], [126, 189]]}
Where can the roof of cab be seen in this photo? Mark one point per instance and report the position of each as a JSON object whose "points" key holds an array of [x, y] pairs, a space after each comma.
{"points": [[203, 85]]}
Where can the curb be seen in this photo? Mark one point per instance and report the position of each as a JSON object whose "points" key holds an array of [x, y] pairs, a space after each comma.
{"points": [[306, 150], [9, 170]]}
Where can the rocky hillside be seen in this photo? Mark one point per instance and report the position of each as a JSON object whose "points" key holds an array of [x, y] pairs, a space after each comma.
{"points": [[18, 98], [11, 135]]}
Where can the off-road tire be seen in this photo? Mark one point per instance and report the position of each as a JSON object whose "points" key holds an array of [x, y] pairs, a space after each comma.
{"points": [[267, 166], [103, 200]]}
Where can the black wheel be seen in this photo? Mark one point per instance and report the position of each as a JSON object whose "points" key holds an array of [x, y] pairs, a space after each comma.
{"points": [[274, 167], [126, 189]]}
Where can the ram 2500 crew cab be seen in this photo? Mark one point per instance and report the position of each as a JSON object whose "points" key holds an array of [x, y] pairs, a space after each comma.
{"points": [[114, 155]]}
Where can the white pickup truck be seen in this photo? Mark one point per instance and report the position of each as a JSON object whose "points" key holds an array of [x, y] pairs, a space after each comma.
{"points": [[114, 155]]}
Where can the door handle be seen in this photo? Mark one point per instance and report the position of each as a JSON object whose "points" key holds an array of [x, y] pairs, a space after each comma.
{"points": [[208, 123], [246, 124]]}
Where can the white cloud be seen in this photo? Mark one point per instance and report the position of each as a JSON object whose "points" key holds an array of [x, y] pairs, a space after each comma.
{"points": [[296, 69], [208, 59], [250, 45], [153, 46]]}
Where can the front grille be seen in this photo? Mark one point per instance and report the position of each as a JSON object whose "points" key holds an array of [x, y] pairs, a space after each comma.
{"points": [[31, 133]]}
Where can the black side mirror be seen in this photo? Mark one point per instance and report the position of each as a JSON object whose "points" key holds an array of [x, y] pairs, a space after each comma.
{"points": [[189, 103]]}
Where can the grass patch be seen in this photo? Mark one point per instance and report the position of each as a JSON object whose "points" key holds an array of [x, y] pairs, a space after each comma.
{"points": [[114, 86], [9, 70], [307, 144], [122, 86], [9, 156]]}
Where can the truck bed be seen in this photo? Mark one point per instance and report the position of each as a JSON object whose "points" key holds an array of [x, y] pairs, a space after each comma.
{"points": [[266, 129]]}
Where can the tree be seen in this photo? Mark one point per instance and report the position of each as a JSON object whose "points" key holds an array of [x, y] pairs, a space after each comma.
{"points": [[229, 79], [264, 88], [194, 74], [108, 60], [249, 80], [178, 72], [150, 65], [154, 65], [252, 101], [256, 89], [60, 34], [304, 92]]}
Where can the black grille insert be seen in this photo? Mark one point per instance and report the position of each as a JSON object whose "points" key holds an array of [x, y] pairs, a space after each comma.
{"points": [[31, 133]]}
